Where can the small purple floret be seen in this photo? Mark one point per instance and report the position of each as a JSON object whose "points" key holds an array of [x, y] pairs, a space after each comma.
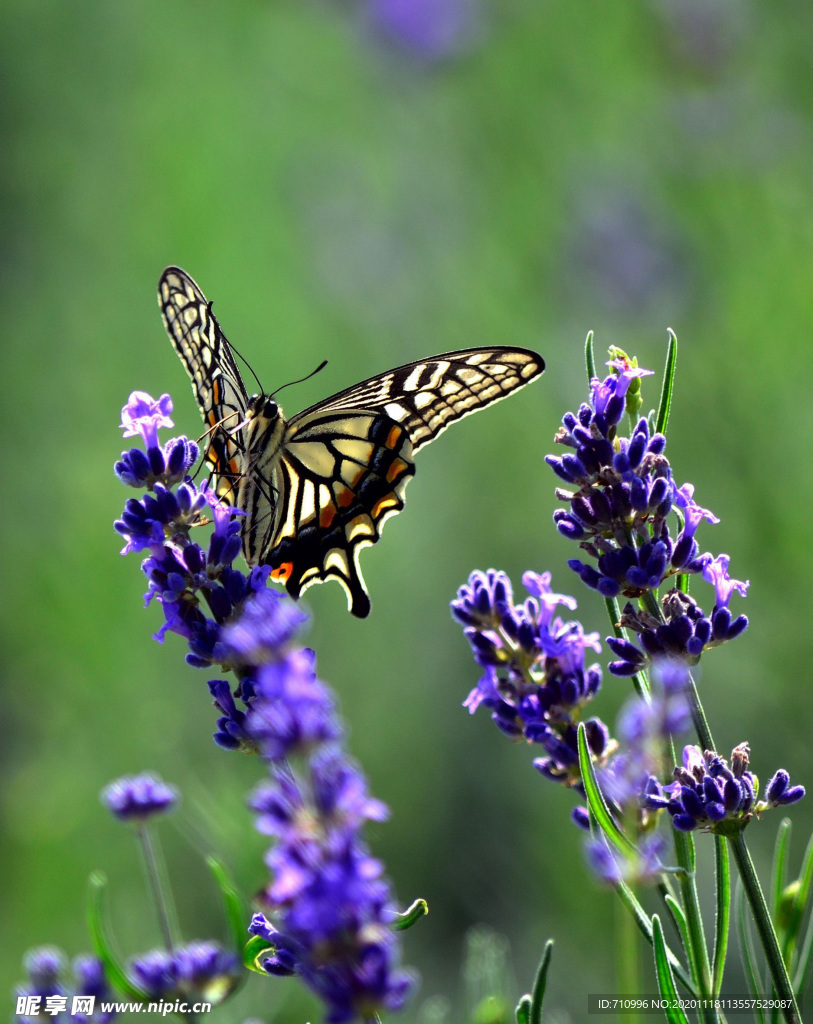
{"points": [[139, 797]]}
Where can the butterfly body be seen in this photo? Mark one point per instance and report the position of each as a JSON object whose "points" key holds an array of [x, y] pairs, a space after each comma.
{"points": [[318, 487]]}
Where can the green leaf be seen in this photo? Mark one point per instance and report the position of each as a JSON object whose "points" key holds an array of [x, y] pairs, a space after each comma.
{"points": [[102, 945], [803, 900], [747, 950], [679, 919], [235, 915], [722, 891], [596, 802], [666, 981], [779, 868], [589, 357], [523, 1010], [794, 910], [540, 983], [413, 914], [668, 384]]}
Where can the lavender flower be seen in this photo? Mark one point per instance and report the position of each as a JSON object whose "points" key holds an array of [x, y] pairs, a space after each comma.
{"points": [[710, 794], [168, 464], [334, 908], [49, 995], [535, 681], [154, 973], [139, 797], [196, 971], [620, 497], [228, 618]]}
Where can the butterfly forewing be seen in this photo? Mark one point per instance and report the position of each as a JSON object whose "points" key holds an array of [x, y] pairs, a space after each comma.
{"points": [[216, 381], [427, 395], [318, 488]]}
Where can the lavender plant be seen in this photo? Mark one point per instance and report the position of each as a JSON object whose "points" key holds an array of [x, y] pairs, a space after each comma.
{"points": [[334, 909], [636, 530], [326, 913]]}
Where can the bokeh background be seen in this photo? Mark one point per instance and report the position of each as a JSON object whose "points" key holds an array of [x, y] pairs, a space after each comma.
{"points": [[370, 182]]}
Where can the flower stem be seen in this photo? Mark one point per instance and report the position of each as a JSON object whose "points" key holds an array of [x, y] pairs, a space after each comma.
{"points": [[699, 719], [767, 935], [698, 951], [159, 895]]}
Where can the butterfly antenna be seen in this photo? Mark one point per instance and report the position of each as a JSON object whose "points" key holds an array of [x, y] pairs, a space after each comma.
{"points": [[301, 380]]}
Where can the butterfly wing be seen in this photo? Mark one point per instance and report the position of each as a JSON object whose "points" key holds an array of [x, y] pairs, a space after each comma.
{"points": [[216, 381], [426, 396], [342, 468], [334, 480]]}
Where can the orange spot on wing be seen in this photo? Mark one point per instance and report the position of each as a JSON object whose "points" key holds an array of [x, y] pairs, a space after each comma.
{"points": [[396, 469], [217, 394], [381, 506], [282, 572], [326, 516], [393, 437]]}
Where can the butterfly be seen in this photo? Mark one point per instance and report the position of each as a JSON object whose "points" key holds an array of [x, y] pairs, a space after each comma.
{"points": [[317, 488]]}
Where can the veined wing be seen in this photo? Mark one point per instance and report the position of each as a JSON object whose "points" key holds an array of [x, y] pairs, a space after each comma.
{"points": [[343, 465], [216, 381], [427, 395]]}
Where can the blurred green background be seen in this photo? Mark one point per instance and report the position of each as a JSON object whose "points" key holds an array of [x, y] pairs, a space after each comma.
{"points": [[371, 182]]}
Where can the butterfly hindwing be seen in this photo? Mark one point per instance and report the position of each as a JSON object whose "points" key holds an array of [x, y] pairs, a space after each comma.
{"points": [[337, 481], [216, 381], [316, 489]]}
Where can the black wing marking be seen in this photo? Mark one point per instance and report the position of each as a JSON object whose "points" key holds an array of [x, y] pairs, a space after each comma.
{"points": [[427, 395], [216, 381]]}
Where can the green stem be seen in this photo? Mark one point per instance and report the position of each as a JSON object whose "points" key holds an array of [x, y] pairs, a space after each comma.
{"points": [[699, 719], [159, 896], [767, 935], [627, 960], [722, 922], [698, 950], [630, 901]]}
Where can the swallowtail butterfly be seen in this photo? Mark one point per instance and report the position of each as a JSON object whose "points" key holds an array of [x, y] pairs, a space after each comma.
{"points": [[318, 487]]}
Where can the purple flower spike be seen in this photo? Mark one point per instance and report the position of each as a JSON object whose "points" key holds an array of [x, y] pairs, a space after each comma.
{"points": [[713, 795], [139, 797], [48, 985], [621, 495], [143, 415]]}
